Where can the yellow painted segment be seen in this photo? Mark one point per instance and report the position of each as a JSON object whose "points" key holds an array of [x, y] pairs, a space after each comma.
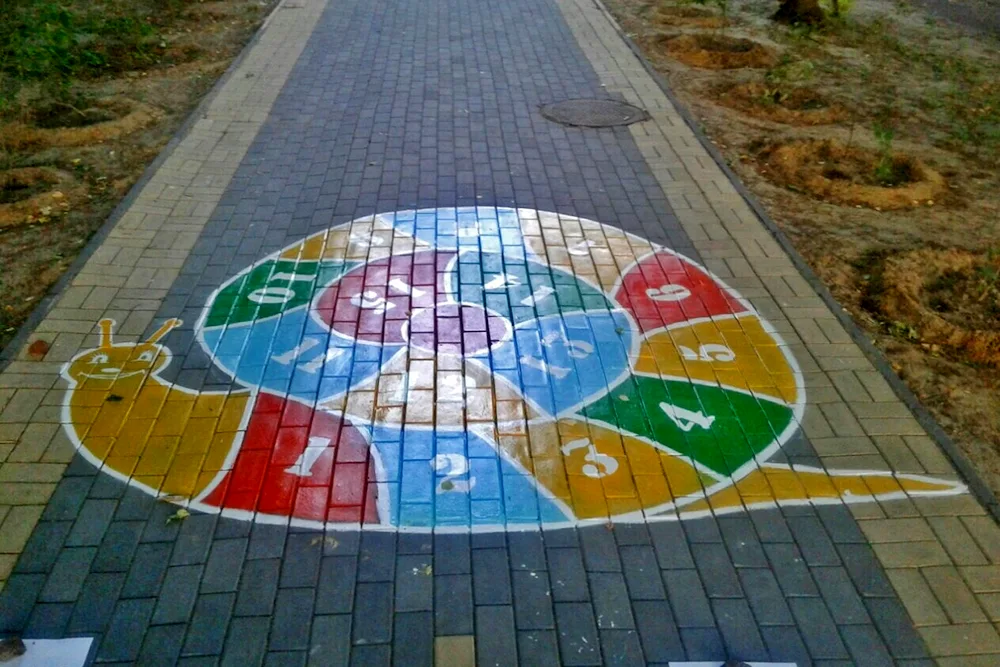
{"points": [[735, 352], [597, 471], [141, 427], [593, 252], [781, 485], [362, 240]]}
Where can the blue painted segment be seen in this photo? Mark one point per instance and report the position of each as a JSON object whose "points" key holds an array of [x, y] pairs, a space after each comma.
{"points": [[454, 479], [296, 355], [561, 360], [483, 228]]}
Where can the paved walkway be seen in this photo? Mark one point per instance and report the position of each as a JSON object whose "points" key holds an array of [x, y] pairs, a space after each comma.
{"points": [[439, 381]]}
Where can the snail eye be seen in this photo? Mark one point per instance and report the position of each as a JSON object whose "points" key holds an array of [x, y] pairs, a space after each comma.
{"points": [[99, 359], [147, 356]]}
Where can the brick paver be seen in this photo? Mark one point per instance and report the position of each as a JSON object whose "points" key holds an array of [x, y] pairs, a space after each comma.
{"points": [[442, 382]]}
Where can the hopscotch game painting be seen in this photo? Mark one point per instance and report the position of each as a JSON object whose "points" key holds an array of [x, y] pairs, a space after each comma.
{"points": [[466, 369]]}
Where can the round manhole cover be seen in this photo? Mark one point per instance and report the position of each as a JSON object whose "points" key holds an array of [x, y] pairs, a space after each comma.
{"points": [[593, 113]]}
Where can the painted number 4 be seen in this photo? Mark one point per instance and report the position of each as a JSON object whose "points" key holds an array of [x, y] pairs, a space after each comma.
{"points": [[687, 419]]}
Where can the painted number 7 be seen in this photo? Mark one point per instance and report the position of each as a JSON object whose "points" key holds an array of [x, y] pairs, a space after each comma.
{"points": [[687, 419]]}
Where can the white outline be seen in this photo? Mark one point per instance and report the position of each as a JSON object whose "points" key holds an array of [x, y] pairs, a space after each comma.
{"points": [[672, 511]]}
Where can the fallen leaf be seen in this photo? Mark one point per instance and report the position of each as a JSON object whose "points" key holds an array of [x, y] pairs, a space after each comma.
{"points": [[179, 515], [38, 349]]}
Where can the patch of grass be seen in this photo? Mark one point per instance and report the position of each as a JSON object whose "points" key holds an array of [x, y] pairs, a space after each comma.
{"points": [[53, 42]]}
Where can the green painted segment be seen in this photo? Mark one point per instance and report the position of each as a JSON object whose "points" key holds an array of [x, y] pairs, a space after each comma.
{"points": [[270, 288], [720, 429]]}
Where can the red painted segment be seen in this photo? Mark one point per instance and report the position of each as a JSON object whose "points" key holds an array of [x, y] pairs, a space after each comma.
{"points": [[297, 462], [663, 289], [372, 301]]}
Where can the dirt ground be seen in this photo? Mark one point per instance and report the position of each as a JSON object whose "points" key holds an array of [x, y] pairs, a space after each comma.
{"points": [[874, 142], [64, 165]]}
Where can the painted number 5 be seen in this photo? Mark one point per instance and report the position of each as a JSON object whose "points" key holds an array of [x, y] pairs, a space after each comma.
{"points": [[598, 465], [709, 352]]}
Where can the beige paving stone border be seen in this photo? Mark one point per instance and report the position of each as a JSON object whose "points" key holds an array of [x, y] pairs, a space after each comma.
{"points": [[941, 554], [128, 276]]}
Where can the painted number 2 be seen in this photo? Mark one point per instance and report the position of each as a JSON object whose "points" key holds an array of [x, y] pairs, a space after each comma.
{"points": [[687, 419], [453, 466]]}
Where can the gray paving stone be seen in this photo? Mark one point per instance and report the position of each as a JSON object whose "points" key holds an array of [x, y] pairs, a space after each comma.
{"points": [[765, 597], [49, 621], [698, 532], [567, 575], [43, 547], [126, 631], [207, 630], [742, 541], [578, 639], [225, 562], [378, 655], [378, 557], [491, 577], [148, 570], [532, 601], [67, 499], [841, 525], [688, 598], [642, 573], [158, 529], [611, 601], [415, 543], [178, 595], [135, 506], [816, 546], [335, 593], [331, 641], [865, 646], [632, 534], [96, 602], [301, 561], [293, 612], [842, 599], [413, 639], [452, 554], [68, 574], [372, 614], [703, 644], [739, 631], [561, 537], [527, 551], [161, 647], [118, 547], [496, 639], [453, 604], [785, 645], [894, 625], [621, 648], [91, 523], [600, 552], [258, 588], [717, 571], [865, 570], [537, 647], [194, 539], [246, 644], [198, 661], [661, 639], [790, 569], [817, 628], [267, 541]]}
